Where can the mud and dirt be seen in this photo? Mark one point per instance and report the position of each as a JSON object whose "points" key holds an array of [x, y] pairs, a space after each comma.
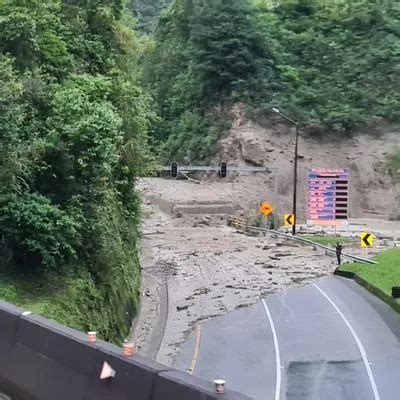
{"points": [[372, 191], [195, 267], [191, 274]]}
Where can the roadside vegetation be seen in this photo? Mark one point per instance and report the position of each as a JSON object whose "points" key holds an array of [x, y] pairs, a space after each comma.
{"points": [[73, 138], [384, 275]]}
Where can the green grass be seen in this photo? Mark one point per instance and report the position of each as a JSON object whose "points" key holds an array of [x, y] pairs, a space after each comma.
{"points": [[328, 240], [45, 296], [384, 275], [74, 300]]}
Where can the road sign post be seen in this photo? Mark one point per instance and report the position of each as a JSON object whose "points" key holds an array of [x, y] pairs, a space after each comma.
{"points": [[266, 209]]}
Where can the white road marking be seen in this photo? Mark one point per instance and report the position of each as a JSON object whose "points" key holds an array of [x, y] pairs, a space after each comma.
{"points": [[358, 341], [277, 353]]}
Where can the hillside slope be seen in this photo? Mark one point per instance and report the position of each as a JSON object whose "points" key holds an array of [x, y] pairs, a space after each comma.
{"points": [[333, 65], [372, 191]]}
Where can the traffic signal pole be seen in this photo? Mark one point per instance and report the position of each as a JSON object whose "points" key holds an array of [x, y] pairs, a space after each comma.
{"points": [[223, 169]]}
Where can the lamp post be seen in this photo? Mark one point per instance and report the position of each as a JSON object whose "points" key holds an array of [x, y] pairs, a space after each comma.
{"points": [[296, 148]]}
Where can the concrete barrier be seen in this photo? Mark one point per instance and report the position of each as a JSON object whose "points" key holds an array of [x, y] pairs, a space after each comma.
{"points": [[43, 360], [178, 385]]}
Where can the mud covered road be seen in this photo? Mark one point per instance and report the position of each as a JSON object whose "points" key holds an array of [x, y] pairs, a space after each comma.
{"points": [[195, 267]]}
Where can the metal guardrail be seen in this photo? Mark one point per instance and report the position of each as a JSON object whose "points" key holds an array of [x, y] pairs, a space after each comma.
{"points": [[299, 239], [238, 223]]}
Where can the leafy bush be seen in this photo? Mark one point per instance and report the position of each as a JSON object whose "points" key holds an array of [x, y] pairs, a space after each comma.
{"points": [[38, 232]]}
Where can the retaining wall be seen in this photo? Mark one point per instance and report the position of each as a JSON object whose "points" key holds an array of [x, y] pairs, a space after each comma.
{"points": [[43, 360]]}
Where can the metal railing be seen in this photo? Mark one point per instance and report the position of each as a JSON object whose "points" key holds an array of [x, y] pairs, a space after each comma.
{"points": [[299, 239]]}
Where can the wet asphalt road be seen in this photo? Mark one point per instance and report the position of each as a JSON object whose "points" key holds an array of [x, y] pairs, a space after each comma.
{"points": [[330, 341]]}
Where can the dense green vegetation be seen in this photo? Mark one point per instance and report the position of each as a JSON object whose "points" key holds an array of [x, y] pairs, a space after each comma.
{"points": [[384, 275], [73, 126], [333, 65], [338, 61], [207, 54], [148, 13]]}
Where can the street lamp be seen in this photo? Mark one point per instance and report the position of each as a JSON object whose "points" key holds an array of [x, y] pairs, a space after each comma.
{"points": [[296, 148]]}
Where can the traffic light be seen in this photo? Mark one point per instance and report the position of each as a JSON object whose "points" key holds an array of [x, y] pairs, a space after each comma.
{"points": [[222, 169], [174, 169]]}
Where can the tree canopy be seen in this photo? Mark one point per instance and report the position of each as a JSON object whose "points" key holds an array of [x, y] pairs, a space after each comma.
{"points": [[207, 54], [73, 138], [332, 64]]}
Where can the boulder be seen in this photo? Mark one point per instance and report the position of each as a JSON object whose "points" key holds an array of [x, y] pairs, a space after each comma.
{"points": [[253, 151]]}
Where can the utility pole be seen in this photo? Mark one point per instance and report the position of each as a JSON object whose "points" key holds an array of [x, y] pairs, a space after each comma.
{"points": [[296, 153]]}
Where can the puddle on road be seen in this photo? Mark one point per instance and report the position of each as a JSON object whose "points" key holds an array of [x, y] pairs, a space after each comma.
{"points": [[327, 380]]}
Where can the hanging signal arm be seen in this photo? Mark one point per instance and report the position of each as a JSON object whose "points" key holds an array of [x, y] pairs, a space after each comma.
{"points": [[222, 169]]}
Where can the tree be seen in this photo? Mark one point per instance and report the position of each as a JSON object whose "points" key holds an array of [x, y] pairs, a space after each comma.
{"points": [[148, 12], [227, 52], [207, 54]]}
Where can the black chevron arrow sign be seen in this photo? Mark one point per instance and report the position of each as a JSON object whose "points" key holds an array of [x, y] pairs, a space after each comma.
{"points": [[289, 219], [367, 239]]}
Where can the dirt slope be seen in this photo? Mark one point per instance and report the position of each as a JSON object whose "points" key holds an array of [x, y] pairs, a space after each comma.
{"points": [[372, 193]]}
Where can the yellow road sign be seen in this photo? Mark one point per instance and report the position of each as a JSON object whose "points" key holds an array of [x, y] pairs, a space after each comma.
{"points": [[367, 239], [266, 209], [289, 219]]}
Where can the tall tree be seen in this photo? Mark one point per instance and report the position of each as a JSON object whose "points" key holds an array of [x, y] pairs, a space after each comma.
{"points": [[227, 51], [148, 12], [207, 53]]}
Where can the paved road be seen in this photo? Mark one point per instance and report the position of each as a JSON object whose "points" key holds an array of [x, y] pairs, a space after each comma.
{"points": [[331, 340]]}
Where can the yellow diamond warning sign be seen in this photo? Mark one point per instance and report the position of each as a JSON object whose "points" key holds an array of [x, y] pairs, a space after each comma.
{"points": [[367, 239], [289, 219]]}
